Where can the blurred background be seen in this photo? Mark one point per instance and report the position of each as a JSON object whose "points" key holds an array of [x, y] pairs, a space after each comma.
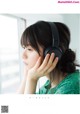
{"points": [[11, 28]]}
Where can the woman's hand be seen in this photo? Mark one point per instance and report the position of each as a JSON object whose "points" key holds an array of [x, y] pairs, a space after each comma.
{"points": [[42, 68]]}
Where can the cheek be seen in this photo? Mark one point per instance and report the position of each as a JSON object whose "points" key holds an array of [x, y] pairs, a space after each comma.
{"points": [[33, 59]]}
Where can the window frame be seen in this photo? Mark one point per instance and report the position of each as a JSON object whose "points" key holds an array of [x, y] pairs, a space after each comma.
{"points": [[21, 25]]}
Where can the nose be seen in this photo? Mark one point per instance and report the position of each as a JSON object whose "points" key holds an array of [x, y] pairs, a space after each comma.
{"points": [[24, 54]]}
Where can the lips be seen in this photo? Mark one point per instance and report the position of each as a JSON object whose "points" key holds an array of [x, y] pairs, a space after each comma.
{"points": [[25, 62]]}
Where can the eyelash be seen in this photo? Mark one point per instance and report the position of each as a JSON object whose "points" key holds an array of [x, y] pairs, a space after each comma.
{"points": [[29, 49]]}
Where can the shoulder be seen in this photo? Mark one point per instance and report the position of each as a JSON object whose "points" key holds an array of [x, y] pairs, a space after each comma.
{"points": [[70, 85]]}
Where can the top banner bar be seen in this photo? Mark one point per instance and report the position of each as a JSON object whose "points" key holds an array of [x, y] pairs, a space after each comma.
{"points": [[40, 6]]}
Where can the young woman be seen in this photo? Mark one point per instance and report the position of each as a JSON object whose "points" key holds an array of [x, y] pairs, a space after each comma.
{"points": [[63, 77]]}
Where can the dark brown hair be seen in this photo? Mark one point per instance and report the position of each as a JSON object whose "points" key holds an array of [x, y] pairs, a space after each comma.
{"points": [[40, 33]]}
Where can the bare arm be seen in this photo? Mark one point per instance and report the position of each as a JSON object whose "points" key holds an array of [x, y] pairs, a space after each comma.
{"points": [[30, 86], [23, 82]]}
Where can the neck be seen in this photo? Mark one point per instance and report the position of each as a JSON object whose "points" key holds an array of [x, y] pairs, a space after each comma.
{"points": [[56, 78]]}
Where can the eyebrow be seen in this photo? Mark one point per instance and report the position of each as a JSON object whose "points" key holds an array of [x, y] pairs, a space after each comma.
{"points": [[28, 45]]}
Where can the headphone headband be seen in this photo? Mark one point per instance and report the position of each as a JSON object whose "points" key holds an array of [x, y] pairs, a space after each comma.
{"points": [[55, 34]]}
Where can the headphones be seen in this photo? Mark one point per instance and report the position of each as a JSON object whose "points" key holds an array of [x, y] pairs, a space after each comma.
{"points": [[55, 42]]}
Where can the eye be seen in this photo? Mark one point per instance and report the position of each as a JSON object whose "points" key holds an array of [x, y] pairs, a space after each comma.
{"points": [[29, 49]]}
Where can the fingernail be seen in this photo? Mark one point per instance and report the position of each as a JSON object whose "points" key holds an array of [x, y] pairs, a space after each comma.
{"points": [[52, 54], [57, 58], [48, 54]]}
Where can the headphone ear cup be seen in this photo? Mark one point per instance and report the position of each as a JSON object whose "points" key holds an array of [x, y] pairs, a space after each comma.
{"points": [[57, 51], [49, 50]]}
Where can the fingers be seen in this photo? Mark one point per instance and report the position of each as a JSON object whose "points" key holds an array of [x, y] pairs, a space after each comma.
{"points": [[50, 60], [44, 64], [49, 63], [38, 63], [53, 65]]}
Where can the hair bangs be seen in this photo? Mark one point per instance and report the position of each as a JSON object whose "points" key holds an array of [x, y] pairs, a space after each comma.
{"points": [[29, 37]]}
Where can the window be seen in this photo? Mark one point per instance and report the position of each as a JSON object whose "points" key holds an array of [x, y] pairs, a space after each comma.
{"points": [[9, 53]]}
